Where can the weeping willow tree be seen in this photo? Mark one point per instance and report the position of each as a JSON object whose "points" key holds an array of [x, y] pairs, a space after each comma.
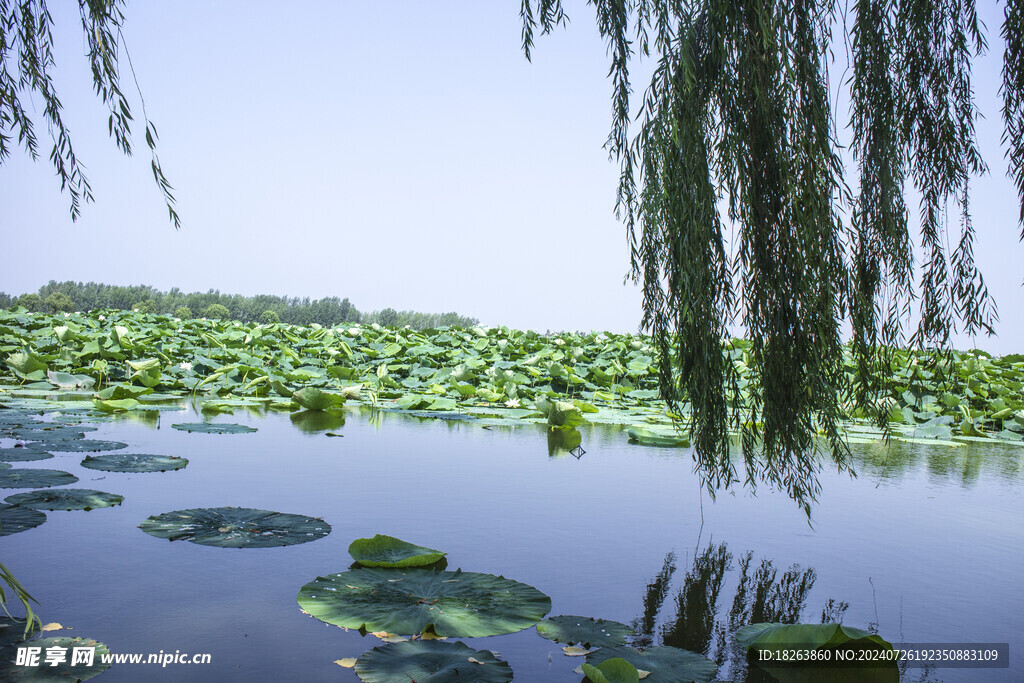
{"points": [[26, 71], [736, 202], [739, 209]]}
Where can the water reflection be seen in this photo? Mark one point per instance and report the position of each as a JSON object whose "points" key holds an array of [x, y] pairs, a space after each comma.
{"points": [[315, 421], [763, 593]]}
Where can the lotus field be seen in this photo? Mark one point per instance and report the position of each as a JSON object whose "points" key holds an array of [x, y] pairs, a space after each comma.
{"points": [[62, 372]]}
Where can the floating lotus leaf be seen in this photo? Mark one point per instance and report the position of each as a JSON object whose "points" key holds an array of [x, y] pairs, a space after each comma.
{"points": [[63, 671], [15, 518], [667, 664], [65, 499], [23, 454], [387, 551], [646, 437], [584, 631], [11, 630], [214, 428], [231, 527], [115, 405], [34, 479], [5, 465], [81, 446], [778, 637], [430, 660], [43, 426], [52, 434], [457, 604], [132, 462]]}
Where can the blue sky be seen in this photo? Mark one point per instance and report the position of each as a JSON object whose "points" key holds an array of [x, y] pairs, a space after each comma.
{"points": [[400, 154]]}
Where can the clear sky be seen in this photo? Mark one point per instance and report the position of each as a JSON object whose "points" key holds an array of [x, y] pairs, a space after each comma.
{"points": [[400, 154]]}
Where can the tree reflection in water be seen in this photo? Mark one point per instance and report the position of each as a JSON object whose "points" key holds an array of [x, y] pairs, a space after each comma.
{"points": [[763, 594]]}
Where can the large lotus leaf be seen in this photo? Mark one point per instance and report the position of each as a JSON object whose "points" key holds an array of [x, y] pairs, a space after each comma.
{"points": [[15, 518], [232, 527], [584, 631], [82, 446], [667, 664], [646, 437], [66, 670], [801, 637], [23, 454], [65, 499], [64, 380], [457, 604], [34, 479], [115, 405], [431, 660], [25, 364], [214, 428], [387, 551], [122, 391], [132, 462], [314, 399], [42, 427], [616, 670], [52, 434]]}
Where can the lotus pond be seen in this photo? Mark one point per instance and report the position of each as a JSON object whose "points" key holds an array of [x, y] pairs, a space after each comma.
{"points": [[483, 502], [923, 546]]}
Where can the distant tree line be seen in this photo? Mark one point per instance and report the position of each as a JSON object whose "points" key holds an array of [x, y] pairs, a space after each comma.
{"points": [[69, 296]]}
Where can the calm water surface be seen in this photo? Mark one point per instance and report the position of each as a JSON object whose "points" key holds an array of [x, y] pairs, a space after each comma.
{"points": [[926, 545]]}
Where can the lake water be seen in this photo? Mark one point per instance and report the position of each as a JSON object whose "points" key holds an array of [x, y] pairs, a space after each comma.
{"points": [[926, 545]]}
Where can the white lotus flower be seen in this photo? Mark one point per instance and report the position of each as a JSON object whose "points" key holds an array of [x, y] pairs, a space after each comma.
{"points": [[512, 403], [185, 366]]}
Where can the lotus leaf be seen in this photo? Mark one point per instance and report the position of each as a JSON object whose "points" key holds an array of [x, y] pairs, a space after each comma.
{"points": [[233, 527], [387, 551], [616, 670], [53, 434], [214, 428], [314, 399], [667, 664], [430, 660], [5, 465], [34, 479], [82, 446], [63, 671], [131, 462], [585, 631], [15, 518], [23, 455], [457, 604], [646, 437], [779, 637], [115, 405], [65, 499], [11, 630]]}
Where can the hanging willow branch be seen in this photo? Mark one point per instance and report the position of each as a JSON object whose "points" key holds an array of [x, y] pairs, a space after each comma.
{"points": [[737, 118], [26, 66]]}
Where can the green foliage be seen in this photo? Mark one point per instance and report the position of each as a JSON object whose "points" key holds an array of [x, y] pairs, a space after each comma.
{"points": [[739, 115], [28, 64], [32, 302], [268, 317], [183, 312], [216, 312], [59, 302], [388, 551], [32, 621], [145, 306]]}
